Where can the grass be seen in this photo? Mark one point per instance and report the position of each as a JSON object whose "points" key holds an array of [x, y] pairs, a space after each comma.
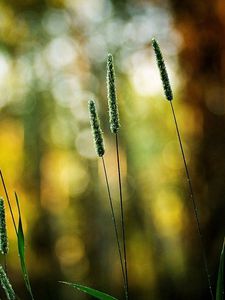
{"points": [[114, 126], [20, 244], [100, 151], [220, 281], [119, 227], [169, 96]]}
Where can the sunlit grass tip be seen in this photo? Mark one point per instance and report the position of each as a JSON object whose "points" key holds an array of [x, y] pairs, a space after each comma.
{"points": [[4, 247], [96, 128], [162, 69], [6, 285], [111, 93]]}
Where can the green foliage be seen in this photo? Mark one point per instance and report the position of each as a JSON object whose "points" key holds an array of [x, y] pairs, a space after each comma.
{"points": [[220, 280], [96, 129], [162, 69], [112, 99], [90, 291], [6, 285], [4, 248], [21, 250]]}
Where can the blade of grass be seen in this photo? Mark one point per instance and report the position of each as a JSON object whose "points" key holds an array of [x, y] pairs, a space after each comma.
{"points": [[220, 280], [92, 292], [21, 250]]}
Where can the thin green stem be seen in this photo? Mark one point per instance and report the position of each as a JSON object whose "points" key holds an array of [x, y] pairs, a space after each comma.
{"points": [[114, 222], [8, 200], [193, 202], [122, 216]]}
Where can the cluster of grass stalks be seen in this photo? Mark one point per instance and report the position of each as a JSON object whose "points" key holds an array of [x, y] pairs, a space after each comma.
{"points": [[4, 248], [100, 150], [119, 226]]}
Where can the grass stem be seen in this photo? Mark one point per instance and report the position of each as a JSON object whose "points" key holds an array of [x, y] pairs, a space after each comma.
{"points": [[122, 216], [8, 200], [193, 202], [114, 223]]}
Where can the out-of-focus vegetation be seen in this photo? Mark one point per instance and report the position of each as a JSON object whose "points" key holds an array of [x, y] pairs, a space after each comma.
{"points": [[52, 61]]}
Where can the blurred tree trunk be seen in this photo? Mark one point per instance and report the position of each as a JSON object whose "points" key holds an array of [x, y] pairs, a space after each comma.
{"points": [[202, 62], [36, 117]]}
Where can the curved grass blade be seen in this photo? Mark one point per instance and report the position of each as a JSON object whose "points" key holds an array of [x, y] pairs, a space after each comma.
{"points": [[220, 280], [21, 250], [90, 291]]}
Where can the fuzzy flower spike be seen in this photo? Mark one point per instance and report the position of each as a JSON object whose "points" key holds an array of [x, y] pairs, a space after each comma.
{"points": [[162, 69], [6, 285], [3, 232], [96, 129], [112, 99]]}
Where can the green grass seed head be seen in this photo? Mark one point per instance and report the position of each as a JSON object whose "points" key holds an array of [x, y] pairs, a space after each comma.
{"points": [[96, 129], [162, 69], [4, 249], [6, 285], [112, 99]]}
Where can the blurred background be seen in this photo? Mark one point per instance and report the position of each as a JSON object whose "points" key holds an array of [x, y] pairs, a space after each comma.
{"points": [[52, 61]]}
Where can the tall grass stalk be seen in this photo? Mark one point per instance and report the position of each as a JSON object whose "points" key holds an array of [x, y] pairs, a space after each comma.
{"points": [[194, 204], [100, 150], [169, 97], [20, 237], [114, 220], [6, 285], [114, 126], [8, 200], [122, 216], [4, 246]]}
